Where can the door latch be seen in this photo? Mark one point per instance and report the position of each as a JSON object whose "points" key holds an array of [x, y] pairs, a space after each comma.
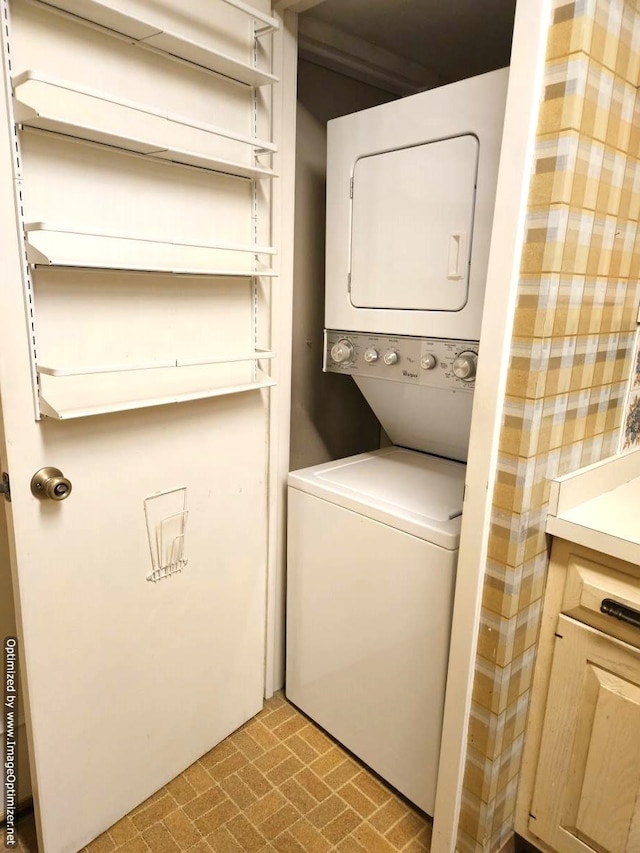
{"points": [[5, 488]]}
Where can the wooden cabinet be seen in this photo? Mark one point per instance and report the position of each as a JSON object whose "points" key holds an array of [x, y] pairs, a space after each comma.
{"points": [[588, 776], [580, 782]]}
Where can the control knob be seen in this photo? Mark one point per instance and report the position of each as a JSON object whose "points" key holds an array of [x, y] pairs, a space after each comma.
{"points": [[390, 357], [371, 355], [465, 366], [342, 351], [428, 361]]}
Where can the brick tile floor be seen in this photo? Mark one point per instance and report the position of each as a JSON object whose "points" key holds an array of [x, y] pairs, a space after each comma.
{"points": [[277, 784]]}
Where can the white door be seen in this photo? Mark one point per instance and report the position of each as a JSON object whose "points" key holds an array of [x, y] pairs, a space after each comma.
{"points": [[411, 226], [128, 290]]}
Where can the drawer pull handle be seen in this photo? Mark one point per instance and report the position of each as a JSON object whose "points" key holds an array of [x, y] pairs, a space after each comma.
{"points": [[625, 614]]}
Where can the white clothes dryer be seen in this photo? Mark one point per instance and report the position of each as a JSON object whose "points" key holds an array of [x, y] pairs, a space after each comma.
{"points": [[372, 550], [410, 194]]}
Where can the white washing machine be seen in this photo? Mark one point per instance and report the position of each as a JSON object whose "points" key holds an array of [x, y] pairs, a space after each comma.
{"points": [[373, 539], [373, 544]]}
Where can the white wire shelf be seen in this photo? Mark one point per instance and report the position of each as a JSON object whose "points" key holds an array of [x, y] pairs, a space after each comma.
{"points": [[145, 34], [50, 245], [60, 404], [45, 370], [57, 106]]}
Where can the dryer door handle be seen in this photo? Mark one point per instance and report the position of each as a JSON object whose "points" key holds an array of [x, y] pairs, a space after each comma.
{"points": [[457, 255]]}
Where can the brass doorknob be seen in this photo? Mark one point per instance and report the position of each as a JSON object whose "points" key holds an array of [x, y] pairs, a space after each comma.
{"points": [[49, 483]]}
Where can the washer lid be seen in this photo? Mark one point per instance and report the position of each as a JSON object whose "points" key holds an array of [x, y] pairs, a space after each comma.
{"points": [[414, 492]]}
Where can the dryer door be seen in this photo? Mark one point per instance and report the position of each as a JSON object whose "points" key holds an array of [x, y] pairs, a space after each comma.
{"points": [[411, 226]]}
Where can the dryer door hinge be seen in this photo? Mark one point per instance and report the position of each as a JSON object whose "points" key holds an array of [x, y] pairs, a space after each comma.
{"points": [[5, 487], [349, 283], [351, 188]]}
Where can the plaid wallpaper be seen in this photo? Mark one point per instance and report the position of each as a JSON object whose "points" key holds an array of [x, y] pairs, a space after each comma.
{"points": [[573, 353]]}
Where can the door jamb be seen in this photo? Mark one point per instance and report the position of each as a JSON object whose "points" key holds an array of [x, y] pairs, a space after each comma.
{"points": [[526, 78]]}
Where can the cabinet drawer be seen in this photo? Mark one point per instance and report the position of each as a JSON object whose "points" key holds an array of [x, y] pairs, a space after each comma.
{"points": [[590, 584]]}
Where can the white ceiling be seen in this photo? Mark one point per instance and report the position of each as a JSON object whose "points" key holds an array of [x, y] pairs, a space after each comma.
{"points": [[453, 38]]}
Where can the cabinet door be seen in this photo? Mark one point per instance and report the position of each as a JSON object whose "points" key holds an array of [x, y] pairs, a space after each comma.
{"points": [[588, 778]]}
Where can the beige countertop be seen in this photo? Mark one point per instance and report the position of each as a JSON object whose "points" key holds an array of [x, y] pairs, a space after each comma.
{"points": [[599, 507]]}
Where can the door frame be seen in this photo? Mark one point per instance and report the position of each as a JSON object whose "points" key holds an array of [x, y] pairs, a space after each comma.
{"points": [[508, 234], [285, 62]]}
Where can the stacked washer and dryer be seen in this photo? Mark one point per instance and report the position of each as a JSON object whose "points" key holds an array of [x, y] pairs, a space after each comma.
{"points": [[373, 539]]}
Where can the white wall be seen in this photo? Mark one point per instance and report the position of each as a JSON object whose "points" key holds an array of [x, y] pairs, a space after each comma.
{"points": [[329, 417]]}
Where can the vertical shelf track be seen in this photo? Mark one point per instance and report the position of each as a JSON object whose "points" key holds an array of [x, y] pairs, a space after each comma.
{"points": [[254, 189], [254, 202], [27, 284]]}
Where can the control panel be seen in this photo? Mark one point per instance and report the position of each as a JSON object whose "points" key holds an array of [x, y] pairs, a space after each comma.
{"points": [[434, 362]]}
